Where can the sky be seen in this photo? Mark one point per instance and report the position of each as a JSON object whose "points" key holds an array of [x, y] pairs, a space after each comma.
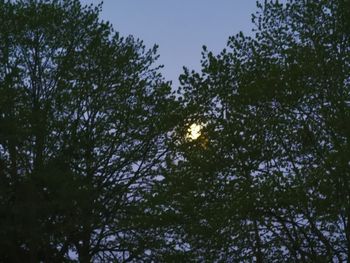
{"points": [[179, 27]]}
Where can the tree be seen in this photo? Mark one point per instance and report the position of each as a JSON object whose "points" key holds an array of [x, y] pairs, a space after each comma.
{"points": [[272, 183], [84, 116]]}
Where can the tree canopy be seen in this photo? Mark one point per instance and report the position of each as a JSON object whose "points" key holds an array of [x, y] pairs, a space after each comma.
{"points": [[83, 121], [96, 164], [268, 180]]}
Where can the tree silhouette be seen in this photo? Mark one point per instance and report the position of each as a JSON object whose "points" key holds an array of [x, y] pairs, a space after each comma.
{"points": [[84, 117], [273, 183]]}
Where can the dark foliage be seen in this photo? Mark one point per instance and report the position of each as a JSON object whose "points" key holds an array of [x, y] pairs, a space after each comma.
{"points": [[269, 178], [83, 121], [95, 165]]}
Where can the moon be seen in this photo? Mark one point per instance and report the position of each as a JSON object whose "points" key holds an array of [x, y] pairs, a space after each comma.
{"points": [[194, 131]]}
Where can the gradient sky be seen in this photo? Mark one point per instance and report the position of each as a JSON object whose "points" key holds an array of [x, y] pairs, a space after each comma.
{"points": [[179, 27]]}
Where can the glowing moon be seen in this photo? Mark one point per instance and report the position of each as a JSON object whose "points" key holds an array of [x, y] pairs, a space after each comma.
{"points": [[194, 131]]}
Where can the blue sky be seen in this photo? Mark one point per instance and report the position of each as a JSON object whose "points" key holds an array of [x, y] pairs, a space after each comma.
{"points": [[179, 27]]}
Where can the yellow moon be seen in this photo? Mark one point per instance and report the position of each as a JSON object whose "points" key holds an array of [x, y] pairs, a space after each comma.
{"points": [[194, 131]]}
